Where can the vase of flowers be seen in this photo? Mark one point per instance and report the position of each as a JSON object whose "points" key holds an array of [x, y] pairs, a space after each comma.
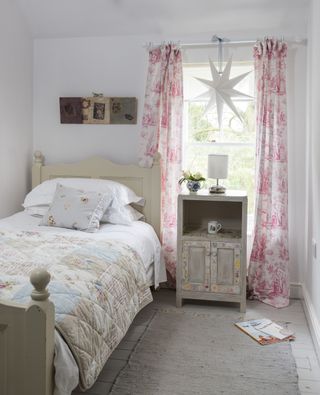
{"points": [[193, 180]]}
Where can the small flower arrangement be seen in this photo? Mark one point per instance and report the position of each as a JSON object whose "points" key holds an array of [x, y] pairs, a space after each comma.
{"points": [[188, 176]]}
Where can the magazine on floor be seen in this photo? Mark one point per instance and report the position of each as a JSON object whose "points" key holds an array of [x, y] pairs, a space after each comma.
{"points": [[265, 331]]}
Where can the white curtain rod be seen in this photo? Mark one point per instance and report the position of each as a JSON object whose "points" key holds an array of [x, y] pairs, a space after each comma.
{"points": [[225, 42], [301, 41]]}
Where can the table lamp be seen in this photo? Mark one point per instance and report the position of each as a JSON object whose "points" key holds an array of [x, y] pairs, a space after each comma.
{"points": [[217, 168]]}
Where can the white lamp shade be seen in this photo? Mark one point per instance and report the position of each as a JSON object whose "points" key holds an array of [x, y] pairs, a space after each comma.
{"points": [[217, 166]]}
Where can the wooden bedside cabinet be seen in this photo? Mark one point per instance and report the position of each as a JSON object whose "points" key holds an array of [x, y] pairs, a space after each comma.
{"points": [[212, 266]]}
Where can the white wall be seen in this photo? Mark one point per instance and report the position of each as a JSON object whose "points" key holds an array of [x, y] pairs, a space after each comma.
{"points": [[15, 108], [296, 101], [311, 268]]}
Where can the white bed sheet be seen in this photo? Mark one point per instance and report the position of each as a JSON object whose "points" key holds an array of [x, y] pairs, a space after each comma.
{"points": [[139, 235]]}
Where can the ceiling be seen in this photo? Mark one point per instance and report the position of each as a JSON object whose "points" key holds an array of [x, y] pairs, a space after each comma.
{"points": [[79, 18]]}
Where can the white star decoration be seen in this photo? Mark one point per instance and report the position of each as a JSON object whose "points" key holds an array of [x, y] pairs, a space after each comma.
{"points": [[221, 90]]}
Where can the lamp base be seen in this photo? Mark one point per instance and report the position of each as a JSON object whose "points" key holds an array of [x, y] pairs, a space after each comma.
{"points": [[217, 189]]}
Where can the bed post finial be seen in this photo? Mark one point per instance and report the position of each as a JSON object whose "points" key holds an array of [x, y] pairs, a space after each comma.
{"points": [[38, 161], [38, 157], [39, 337], [40, 278]]}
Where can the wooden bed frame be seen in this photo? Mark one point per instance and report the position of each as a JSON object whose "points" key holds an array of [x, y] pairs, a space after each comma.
{"points": [[27, 332]]}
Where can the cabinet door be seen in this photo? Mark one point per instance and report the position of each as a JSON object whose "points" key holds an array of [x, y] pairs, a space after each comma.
{"points": [[195, 266], [225, 267]]}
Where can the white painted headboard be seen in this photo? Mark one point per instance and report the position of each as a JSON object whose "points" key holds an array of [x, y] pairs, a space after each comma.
{"points": [[143, 181]]}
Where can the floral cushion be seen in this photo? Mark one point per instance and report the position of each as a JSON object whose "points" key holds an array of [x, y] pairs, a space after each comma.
{"points": [[76, 209]]}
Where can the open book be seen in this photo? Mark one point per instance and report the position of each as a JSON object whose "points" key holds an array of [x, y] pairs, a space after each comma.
{"points": [[265, 331]]}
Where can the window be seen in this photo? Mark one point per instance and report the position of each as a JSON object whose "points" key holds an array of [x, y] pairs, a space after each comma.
{"points": [[202, 135]]}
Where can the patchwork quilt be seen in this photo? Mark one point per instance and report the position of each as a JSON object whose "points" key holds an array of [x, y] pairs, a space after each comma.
{"points": [[97, 287]]}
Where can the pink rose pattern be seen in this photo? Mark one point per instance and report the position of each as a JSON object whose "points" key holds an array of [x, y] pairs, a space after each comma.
{"points": [[269, 261], [162, 132]]}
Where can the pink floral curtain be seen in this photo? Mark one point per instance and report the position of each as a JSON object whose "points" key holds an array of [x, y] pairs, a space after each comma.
{"points": [[162, 132], [269, 262]]}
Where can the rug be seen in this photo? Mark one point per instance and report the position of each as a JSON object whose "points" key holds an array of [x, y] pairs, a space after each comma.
{"points": [[183, 352]]}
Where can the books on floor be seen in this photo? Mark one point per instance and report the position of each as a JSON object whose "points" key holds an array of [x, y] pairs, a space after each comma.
{"points": [[265, 331]]}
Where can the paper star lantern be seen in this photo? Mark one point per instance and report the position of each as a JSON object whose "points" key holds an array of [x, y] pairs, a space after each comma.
{"points": [[221, 90]]}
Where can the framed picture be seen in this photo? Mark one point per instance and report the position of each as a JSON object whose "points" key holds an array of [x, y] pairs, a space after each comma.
{"points": [[123, 110], [98, 110], [71, 109]]}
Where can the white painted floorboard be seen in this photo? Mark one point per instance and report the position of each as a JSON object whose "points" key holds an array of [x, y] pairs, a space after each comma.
{"points": [[303, 349]]}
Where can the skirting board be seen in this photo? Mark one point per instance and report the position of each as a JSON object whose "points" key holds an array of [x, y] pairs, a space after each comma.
{"points": [[313, 320]]}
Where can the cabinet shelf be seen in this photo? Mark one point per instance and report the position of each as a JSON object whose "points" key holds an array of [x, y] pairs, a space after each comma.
{"points": [[202, 232]]}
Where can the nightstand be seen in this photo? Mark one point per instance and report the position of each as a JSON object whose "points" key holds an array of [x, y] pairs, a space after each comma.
{"points": [[212, 266]]}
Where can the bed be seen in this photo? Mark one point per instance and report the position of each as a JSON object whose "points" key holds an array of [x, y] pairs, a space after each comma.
{"points": [[131, 255]]}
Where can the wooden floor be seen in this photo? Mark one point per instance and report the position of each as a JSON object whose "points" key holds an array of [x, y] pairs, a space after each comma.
{"points": [[303, 349]]}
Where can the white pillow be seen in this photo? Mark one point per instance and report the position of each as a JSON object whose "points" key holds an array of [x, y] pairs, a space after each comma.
{"points": [[43, 193], [37, 211], [76, 209], [121, 215]]}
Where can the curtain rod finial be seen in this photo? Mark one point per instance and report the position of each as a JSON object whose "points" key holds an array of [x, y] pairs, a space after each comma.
{"points": [[216, 38]]}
